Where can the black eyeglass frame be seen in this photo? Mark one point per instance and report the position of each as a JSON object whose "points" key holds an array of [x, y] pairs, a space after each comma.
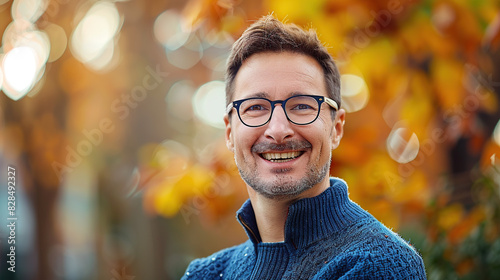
{"points": [[320, 99]]}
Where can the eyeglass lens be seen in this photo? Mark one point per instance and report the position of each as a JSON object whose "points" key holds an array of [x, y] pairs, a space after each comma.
{"points": [[298, 109]]}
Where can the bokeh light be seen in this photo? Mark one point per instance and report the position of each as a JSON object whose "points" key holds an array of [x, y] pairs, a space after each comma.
{"points": [[1, 75], [92, 41], [218, 39], [20, 67], [171, 30], [37, 87], [178, 100], [216, 63], [39, 42], [354, 92], [187, 55], [208, 103], [24, 62], [173, 156], [107, 58], [58, 41], [20, 33], [216, 53], [496, 134], [443, 16], [402, 144], [217, 46], [13, 31], [29, 10]]}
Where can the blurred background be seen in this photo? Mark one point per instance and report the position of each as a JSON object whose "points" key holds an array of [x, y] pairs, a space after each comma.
{"points": [[111, 119]]}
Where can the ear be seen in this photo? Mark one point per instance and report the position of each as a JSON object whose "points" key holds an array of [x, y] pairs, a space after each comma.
{"points": [[229, 136], [338, 128]]}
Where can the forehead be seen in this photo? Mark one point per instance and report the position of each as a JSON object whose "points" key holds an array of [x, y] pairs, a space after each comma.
{"points": [[279, 75]]}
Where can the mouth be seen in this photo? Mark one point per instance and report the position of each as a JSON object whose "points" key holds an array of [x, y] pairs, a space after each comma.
{"points": [[281, 157]]}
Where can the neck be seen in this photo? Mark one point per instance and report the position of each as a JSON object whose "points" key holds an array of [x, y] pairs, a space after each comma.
{"points": [[271, 214]]}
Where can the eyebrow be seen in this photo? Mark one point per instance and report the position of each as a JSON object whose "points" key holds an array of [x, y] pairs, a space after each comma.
{"points": [[295, 93], [265, 95], [259, 95]]}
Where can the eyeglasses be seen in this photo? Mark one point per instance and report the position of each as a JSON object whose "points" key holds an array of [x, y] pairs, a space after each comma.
{"points": [[299, 109]]}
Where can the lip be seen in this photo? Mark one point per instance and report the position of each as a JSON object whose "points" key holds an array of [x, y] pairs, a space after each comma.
{"points": [[281, 156], [280, 165]]}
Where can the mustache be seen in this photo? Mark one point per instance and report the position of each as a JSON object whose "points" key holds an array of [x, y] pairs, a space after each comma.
{"points": [[290, 145]]}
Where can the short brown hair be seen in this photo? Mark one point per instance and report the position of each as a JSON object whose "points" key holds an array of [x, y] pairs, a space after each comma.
{"points": [[271, 35]]}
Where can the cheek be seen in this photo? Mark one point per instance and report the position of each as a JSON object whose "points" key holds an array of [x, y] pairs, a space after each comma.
{"points": [[321, 138], [244, 138]]}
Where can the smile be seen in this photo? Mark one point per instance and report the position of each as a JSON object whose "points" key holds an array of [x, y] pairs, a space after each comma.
{"points": [[281, 157]]}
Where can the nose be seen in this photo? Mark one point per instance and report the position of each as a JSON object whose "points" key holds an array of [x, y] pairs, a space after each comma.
{"points": [[279, 128]]}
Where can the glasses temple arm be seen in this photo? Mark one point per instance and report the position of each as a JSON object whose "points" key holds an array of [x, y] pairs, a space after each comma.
{"points": [[229, 108], [332, 103]]}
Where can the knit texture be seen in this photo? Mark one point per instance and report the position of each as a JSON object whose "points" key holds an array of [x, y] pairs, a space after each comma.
{"points": [[326, 237]]}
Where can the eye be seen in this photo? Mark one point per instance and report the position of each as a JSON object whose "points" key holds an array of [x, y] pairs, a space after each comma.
{"points": [[255, 108], [302, 107]]}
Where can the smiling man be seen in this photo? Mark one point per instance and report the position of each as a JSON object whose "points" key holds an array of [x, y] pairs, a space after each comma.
{"points": [[283, 121]]}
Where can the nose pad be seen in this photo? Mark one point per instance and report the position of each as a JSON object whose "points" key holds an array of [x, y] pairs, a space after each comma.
{"points": [[283, 114]]}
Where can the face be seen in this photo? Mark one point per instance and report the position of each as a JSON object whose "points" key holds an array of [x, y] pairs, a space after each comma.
{"points": [[281, 159]]}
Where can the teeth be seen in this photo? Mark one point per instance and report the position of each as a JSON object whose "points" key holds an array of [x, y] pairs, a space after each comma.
{"points": [[280, 157]]}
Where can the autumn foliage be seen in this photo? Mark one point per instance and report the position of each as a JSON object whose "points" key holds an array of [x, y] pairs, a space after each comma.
{"points": [[419, 151]]}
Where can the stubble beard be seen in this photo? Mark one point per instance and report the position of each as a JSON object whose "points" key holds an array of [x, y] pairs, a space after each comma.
{"points": [[283, 186]]}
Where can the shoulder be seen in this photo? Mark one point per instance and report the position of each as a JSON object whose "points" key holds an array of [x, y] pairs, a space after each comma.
{"points": [[375, 253], [215, 265], [369, 265]]}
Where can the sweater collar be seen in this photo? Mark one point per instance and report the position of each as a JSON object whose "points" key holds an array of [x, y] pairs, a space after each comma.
{"points": [[310, 219]]}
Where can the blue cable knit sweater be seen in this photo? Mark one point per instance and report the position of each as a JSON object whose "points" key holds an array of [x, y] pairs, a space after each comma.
{"points": [[326, 237]]}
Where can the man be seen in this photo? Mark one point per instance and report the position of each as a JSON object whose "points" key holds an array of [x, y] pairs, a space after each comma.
{"points": [[283, 120]]}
